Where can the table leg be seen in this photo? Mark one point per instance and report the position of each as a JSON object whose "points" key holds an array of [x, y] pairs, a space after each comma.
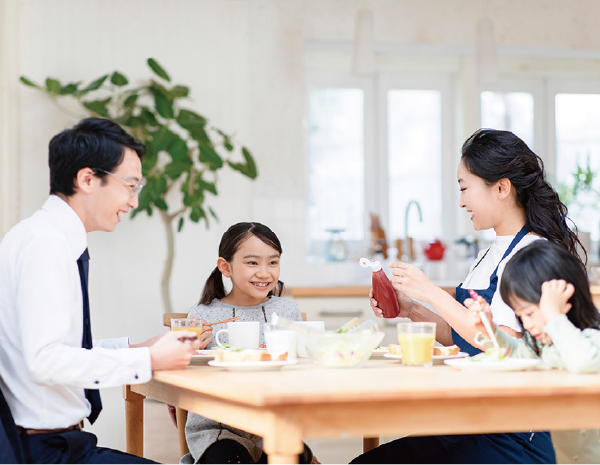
{"points": [[370, 444], [283, 442], [181, 416], [134, 421]]}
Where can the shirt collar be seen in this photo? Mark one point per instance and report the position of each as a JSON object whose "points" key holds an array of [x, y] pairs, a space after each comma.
{"points": [[69, 221]]}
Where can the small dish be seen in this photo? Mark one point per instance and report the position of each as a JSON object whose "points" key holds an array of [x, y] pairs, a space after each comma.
{"points": [[379, 353], [252, 366], [508, 364], [437, 359], [202, 357]]}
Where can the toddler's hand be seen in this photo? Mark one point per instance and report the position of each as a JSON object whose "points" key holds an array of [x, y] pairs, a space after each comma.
{"points": [[555, 297]]}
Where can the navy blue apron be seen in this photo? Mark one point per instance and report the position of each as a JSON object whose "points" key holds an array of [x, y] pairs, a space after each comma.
{"points": [[487, 294], [499, 448]]}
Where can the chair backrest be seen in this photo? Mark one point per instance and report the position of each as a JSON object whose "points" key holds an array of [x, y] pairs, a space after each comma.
{"points": [[167, 317]]}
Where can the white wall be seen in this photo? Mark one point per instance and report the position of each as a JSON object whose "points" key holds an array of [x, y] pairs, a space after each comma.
{"points": [[243, 60]]}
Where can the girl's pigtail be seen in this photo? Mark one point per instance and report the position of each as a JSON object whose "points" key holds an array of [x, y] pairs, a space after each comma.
{"points": [[213, 288], [277, 290]]}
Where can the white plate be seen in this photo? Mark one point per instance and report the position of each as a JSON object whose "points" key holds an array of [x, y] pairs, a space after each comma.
{"points": [[252, 366], [379, 352], [202, 356], [508, 364], [437, 359]]}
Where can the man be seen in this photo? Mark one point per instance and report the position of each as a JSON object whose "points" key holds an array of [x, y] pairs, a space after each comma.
{"points": [[49, 372]]}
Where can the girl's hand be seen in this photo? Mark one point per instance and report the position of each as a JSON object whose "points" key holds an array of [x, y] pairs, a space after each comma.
{"points": [[475, 307], [555, 297], [408, 280], [206, 336], [404, 302]]}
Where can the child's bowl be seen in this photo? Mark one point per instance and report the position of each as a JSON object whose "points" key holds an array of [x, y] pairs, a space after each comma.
{"points": [[349, 350]]}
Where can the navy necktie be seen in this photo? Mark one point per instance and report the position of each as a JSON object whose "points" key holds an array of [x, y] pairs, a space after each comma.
{"points": [[92, 395]]}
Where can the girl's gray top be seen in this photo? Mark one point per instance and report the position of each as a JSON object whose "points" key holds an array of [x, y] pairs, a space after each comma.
{"points": [[201, 432]]}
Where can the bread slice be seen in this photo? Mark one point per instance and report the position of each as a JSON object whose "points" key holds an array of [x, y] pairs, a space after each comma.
{"points": [[448, 350], [395, 349], [249, 355]]}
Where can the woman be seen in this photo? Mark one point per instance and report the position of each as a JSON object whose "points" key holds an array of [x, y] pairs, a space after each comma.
{"points": [[503, 186]]}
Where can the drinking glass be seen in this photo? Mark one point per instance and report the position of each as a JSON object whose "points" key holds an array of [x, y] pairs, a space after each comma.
{"points": [[416, 341], [187, 324]]}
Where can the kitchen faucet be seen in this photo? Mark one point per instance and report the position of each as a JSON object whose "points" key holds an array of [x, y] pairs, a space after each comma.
{"points": [[409, 245], [415, 203]]}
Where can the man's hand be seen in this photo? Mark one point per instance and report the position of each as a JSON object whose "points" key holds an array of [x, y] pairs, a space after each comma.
{"points": [[170, 353], [147, 343]]}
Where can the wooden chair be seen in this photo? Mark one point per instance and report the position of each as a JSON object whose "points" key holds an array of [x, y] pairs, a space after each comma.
{"points": [[180, 414]]}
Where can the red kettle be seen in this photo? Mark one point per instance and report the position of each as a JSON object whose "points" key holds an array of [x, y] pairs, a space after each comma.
{"points": [[434, 250]]}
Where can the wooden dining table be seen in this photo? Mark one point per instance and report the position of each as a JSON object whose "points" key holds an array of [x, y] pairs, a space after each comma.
{"points": [[381, 398]]}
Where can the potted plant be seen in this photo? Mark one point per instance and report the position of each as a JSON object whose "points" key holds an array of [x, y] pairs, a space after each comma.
{"points": [[183, 152]]}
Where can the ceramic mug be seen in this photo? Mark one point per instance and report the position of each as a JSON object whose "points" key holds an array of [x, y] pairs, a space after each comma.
{"points": [[242, 334]]}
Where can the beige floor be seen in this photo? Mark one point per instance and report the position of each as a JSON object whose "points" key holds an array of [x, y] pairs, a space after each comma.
{"points": [[160, 434]]}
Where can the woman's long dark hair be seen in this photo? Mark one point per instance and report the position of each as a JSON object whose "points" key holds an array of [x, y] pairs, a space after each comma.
{"points": [[229, 245], [543, 261], [493, 155]]}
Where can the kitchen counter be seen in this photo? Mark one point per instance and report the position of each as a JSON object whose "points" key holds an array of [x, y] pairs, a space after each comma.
{"points": [[347, 291]]}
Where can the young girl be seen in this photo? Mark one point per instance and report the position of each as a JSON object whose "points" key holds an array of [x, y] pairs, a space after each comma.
{"points": [[249, 254], [548, 290]]}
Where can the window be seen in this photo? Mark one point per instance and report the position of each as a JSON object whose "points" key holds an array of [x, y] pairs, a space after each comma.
{"points": [[578, 144], [361, 161]]}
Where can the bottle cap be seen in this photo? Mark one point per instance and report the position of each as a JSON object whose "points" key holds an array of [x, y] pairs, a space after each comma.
{"points": [[366, 263]]}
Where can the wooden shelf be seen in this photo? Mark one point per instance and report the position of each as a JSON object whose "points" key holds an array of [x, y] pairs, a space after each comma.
{"points": [[341, 291]]}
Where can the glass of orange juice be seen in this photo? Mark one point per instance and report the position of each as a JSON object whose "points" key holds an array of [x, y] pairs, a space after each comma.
{"points": [[187, 324], [416, 341]]}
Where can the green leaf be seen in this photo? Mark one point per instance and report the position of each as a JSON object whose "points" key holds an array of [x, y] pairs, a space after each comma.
{"points": [[29, 83], [177, 167], [163, 105], [130, 101], [179, 92], [213, 214], [118, 79], [148, 117], [98, 106], [194, 124], [178, 149], [94, 85], [207, 186], [247, 169], [208, 155], [160, 203], [180, 226], [69, 89], [197, 214], [158, 70], [53, 86]]}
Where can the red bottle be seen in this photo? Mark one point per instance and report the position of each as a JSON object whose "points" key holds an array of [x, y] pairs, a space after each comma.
{"points": [[382, 289]]}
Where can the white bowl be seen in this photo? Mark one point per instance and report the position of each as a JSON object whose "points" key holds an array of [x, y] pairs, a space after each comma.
{"points": [[348, 350]]}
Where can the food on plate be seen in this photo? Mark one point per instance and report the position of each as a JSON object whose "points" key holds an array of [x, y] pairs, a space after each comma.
{"points": [[448, 350], [249, 355], [395, 349], [490, 355]]}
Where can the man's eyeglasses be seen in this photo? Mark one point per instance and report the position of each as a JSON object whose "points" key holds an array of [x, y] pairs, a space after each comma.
{"points": [[135, 188]]}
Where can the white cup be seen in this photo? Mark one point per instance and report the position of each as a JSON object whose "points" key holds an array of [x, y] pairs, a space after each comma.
{"points": [[301, 346], [241, 334], [282, 340]]}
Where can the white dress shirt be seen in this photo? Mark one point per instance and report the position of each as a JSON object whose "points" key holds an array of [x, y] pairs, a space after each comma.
{"points": [[43, 369]]}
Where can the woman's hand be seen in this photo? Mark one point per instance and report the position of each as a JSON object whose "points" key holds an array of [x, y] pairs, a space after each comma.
{"points": [[404, 302], [408, 280], [475, 308]]}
